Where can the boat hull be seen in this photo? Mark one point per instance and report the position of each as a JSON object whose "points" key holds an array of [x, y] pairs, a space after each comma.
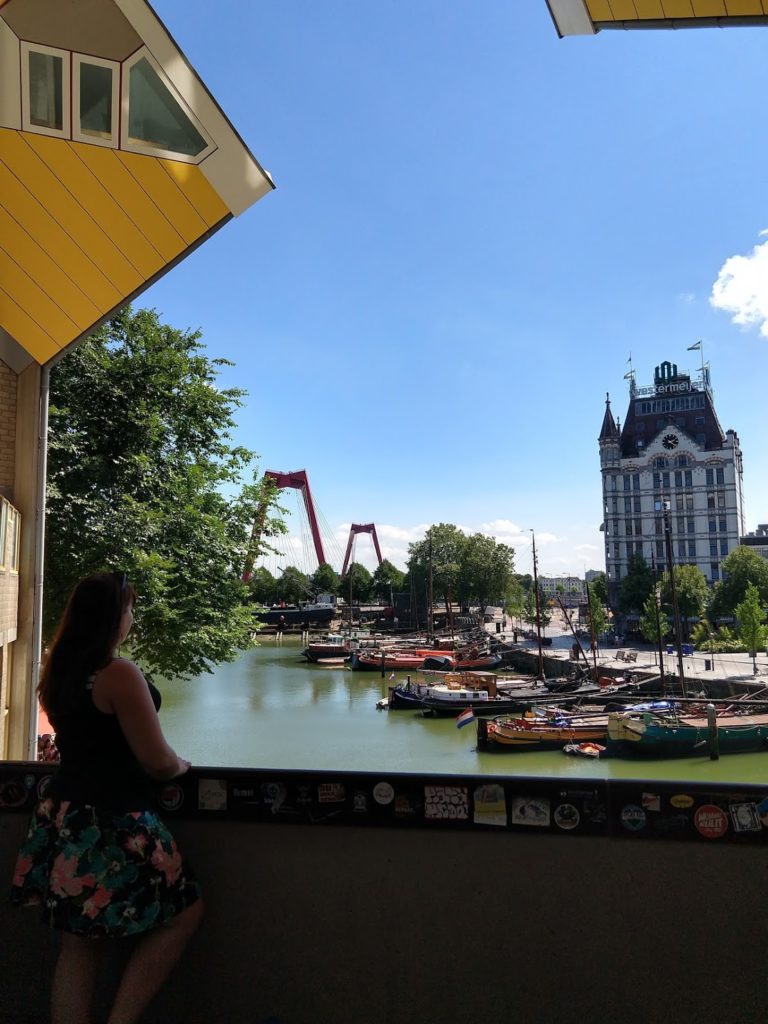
{"points": [[636, 738]]}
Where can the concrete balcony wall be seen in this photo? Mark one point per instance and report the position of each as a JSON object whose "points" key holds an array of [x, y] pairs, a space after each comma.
{"points": [[372, 925]]}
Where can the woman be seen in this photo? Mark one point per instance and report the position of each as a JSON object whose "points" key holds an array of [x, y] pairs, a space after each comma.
{"points": [[96, 855]]}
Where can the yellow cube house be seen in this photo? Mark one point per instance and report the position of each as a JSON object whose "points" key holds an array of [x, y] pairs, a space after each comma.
{"points": [[585, 17], [115, 162]]}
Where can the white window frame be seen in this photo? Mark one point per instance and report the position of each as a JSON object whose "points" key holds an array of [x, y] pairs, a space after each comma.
{"points": [[4, 508], [66, 91], [137, 147], [78, 59]]}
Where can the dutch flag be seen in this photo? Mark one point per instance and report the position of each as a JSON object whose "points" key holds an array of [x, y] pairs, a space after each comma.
{"points": [[466, 716]]}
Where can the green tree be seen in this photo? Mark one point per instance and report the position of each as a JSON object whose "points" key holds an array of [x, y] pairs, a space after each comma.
{"points": [[293, 586], [140, 458], [514, 600], [485, 570], [357, 582], [443, 547], [529, 610], [262, 586], [691, 591], [600, 588], [654, 623], [636, 586], [750, 614], [597, 612], [325, 579], [740, 568], [386, 580]]}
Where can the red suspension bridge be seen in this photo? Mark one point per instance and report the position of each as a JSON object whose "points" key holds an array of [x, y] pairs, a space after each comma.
{"points": [[314, 543]]}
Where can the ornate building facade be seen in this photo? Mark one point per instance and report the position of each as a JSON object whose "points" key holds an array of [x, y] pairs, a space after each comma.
{"points": [[670, 465]]}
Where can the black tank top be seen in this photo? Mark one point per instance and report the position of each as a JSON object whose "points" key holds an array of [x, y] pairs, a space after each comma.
{"points": [[98, 766]]}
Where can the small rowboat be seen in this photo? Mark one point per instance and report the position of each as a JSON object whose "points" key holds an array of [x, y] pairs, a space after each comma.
{"points": [[584, 749]]}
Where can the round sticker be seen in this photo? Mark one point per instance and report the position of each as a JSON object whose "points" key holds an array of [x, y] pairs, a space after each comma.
{"points": [[42, 786], [710, 821], [633, 818], [171, 797], [12, 794], [681, 800], [566, 817], [383, 793]]}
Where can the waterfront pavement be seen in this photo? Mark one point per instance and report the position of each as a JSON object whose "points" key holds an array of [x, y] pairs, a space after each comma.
{"points": [[699, 665]]}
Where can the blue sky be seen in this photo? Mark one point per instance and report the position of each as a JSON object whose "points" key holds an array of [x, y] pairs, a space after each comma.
{"points": [[475, 223]]}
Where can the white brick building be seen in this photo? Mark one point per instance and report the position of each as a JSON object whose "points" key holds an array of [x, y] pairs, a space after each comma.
{"points": [[671, 448]]}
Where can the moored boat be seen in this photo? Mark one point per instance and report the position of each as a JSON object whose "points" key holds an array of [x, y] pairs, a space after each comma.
{"points": [[540, 732], [676, 733]]}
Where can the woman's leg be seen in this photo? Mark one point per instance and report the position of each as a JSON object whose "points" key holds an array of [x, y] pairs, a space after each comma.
{"points": [[74, 979], [151, 963]]}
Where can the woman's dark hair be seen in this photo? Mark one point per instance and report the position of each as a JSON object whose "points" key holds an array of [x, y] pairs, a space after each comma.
{"points": [[85, 639]]}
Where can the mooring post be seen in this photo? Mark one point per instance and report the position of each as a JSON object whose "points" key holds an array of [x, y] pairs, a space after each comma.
{"points": [[714, 740], [382, 664]]}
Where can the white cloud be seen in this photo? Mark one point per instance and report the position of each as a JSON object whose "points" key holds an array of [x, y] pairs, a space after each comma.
{"points": [[741, 288], [586, 547]]}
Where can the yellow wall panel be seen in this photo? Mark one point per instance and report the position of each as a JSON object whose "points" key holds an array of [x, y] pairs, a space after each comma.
{"points": [[91, 236], [21, 326], [709, 8], [38, 223], [623, 9], [600, 10], [48, 274], [742, 7], [166, 193], [34, 301], [649, 8], [677, 8], [95, 197], [198, 190], [128, 193]]}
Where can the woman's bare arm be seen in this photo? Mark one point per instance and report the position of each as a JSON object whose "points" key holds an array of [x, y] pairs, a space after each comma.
{"points": [[123, 689]]}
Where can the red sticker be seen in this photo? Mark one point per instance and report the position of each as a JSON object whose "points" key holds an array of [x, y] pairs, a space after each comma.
{"points": [[710, 821]]}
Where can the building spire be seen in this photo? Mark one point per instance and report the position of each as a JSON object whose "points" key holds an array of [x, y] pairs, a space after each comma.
{"points": [[609, 430]]}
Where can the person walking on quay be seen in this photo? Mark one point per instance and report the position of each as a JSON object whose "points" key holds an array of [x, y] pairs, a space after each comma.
{"points": [[96, 856]]}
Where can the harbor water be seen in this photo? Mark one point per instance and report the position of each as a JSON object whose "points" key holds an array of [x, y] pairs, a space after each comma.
{"points": [[271, 709]]}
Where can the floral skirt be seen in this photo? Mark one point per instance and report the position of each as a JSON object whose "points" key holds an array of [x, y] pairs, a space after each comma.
{"points": [[101, 874]]}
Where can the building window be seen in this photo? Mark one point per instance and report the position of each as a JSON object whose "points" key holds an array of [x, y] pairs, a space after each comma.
{"points": [[626, 483], [96, 92], [713, 549], [635, 481], [660, 462], [14, 532], [657, 526], [638, 527], [3, 530], [710, 478], [720, 476], [713, 526], [701, 439], [665, 481], [689, 525], [678, 478], [691, 548], [720, 499], [627, 504], [154, 120], [714, 571], [45, 90], [657, 481], [723, 526], [723, 547], [636, 505], [689, 478], [681, 549], [699, 421], [689, 503], [659, 548]]}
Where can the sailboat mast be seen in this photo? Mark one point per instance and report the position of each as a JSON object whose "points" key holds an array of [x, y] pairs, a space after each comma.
{"points": [[538, 607], [430, 600], [665, 506]]}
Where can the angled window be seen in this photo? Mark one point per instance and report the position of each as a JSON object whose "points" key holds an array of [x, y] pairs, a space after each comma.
{"points": [[154, 120], [45, 90], [3, 530], [96, 100]]}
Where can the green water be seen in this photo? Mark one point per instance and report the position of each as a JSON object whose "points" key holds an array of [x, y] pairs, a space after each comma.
{"points": [[270, 709]]}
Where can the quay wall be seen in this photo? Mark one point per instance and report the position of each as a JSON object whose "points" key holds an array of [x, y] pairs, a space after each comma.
{"points": [[311, 923]]}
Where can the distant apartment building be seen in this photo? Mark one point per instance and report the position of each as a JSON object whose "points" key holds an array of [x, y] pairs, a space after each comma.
{"points": [[757, 541], [570, 589], [673, 454]]}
